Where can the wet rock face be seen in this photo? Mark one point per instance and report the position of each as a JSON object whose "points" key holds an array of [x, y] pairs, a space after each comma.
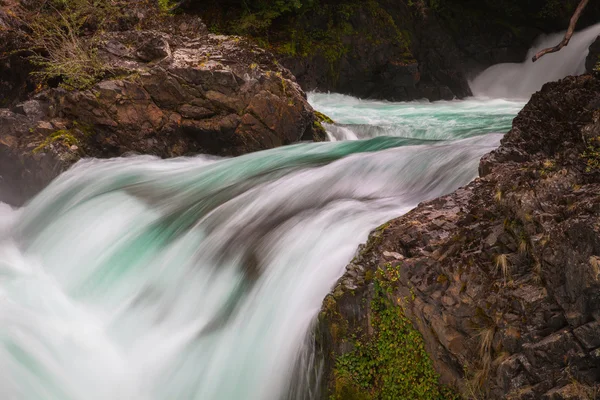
{"points": [[501, 277], [593, 56], [384, 52], [435, 58], [178, 96]]}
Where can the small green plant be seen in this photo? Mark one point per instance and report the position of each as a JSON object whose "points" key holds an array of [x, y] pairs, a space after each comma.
{"points": [[591, 155]]}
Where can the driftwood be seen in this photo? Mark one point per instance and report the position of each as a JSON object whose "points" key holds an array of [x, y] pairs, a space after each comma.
{"points": [[568, 35]]}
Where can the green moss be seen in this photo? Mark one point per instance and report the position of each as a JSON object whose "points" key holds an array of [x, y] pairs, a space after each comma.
{"points": [[346, 389], [63, 135], [319, 133], [323, 118], [83, 128], [392, 363], [166, 6], [69, 137]]}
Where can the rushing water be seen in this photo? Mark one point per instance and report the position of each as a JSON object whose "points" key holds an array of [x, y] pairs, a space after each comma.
{"points": [[199, 278], [522, 80], [442, 120]]}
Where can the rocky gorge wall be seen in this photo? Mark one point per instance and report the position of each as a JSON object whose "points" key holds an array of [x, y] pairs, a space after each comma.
{"points": [[498, 282]]}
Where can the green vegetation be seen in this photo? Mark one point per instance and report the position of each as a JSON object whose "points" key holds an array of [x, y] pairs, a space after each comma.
{"points": [[310, 28], [320, 134], [63, 35], [392, 363], [323, 118], [69, 137], [61, 50], [166, 6], [63, 135], [592, 155]]}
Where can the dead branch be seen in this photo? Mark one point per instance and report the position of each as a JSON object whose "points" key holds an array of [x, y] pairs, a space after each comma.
{"points": [[568, 35]]}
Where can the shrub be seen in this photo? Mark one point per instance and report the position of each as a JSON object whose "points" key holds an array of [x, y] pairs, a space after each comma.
{"points": [[64, 36]]}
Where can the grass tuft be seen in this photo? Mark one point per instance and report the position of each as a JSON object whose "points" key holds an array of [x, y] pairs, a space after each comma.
{"points": [[503, 266]]}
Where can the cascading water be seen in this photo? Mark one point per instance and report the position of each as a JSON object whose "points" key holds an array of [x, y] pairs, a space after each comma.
{"points": [[442, 120], [522, 80], [199, 278]]}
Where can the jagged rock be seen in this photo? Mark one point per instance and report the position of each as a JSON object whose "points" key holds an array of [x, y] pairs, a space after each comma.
{"points": [[531, 331], [177, 96]]}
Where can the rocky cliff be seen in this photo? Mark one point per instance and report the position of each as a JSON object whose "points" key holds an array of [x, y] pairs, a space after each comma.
{"points": [[165, 94], [389, 49], [494, 288]]}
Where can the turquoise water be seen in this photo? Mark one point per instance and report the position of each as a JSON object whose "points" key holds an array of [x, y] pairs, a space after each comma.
{"points": [[442, 120], [199, 278]]}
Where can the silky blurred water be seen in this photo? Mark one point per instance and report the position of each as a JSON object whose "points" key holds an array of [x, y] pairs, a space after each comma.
{"points": [[441, 120], [196, 278], [521, 80], [199, 278]]}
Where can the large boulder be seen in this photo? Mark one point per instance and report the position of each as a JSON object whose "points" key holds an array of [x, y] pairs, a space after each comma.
{"points": [[501, 278], [167, 95]]}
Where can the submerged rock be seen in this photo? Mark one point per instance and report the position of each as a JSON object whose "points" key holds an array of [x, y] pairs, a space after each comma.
{"points": [[502, 277], [168, 96]]}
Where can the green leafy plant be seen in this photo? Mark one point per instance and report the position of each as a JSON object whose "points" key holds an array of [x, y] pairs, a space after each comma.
{"points": [[392, 363]]}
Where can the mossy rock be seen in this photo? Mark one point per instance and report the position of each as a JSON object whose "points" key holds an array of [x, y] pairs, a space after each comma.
{"points": [[390, 364], [324, 118]]}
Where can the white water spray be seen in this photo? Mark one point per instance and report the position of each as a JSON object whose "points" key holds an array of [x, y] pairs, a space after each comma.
{"points": [[196, 279], [520, 81], [199, 278]]}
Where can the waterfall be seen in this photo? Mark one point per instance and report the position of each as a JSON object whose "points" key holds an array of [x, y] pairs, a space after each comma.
{"points": [[196, 278], [200, 278], [422, 120], [513, 80]]}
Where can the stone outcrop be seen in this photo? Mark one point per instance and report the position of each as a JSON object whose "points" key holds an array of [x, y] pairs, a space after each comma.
{"points": [[502, 277], [166, 95]]}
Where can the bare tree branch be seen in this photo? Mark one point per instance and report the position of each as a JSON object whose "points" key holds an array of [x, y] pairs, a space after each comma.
{"points": [[568, 35]]}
